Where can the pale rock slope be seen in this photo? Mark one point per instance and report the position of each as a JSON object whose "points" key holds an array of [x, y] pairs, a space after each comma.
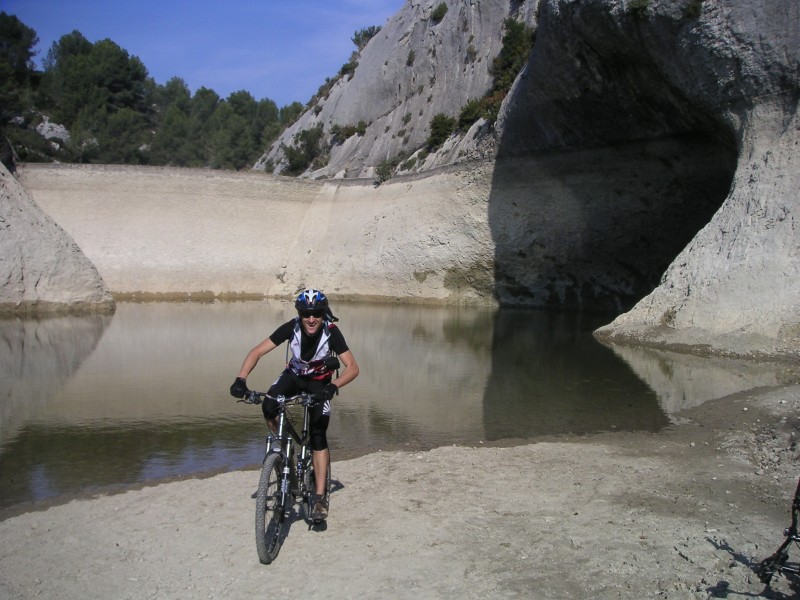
{"points": [[41, 267]]}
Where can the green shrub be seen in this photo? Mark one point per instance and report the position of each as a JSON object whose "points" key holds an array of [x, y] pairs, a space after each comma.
{"points": [[306, 149], [340, 133], [439, 12], [517, 44], [409, 164], [411, 57], [441, 128], [348, 68], [384, 171], [362, 36], [471, 112]]}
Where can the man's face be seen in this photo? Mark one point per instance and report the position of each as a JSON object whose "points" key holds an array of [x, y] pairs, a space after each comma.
{"points": [[311, 320]]}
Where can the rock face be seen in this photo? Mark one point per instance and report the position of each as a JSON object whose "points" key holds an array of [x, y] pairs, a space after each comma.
{"points": [[41, 267], [162, 232], [647, 144], [602, 74], [645, 160], [413, 69], [721, 73]]}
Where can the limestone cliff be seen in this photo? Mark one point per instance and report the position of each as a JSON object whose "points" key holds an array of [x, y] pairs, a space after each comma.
{"points": [[718, 73], [647, 144], [414, 68], [603, 74], [41, 267], [645, 160]]}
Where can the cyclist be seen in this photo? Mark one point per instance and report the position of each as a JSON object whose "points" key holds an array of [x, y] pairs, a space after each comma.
{"points": [[312, 336]]}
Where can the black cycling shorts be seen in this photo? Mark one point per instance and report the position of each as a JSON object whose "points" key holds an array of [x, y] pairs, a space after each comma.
{"points": [[289, 384]]}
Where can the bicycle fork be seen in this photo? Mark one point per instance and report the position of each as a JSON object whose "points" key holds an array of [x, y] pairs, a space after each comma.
{"points": [[286, 470], [286, 476]]}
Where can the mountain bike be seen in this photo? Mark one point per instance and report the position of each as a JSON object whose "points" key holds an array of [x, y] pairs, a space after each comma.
{"points": [[778, 562], [287, 474]]}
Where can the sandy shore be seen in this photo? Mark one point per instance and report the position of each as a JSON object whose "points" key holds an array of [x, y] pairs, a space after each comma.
{"points": [[680, 514]]}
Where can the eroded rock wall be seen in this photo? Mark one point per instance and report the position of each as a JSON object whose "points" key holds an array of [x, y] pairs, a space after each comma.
{"points": [[413, 69], [735, 289], [163, 232], [604, 74], [637, 132], [41, 268]]}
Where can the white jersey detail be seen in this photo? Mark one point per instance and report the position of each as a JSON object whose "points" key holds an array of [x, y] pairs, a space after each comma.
{"points": [[315, 368]]}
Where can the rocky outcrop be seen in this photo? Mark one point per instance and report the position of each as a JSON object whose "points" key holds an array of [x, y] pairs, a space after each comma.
{"points": [[606, 73], [735, 289], [414, 68], [647, 150], [41, 267]]}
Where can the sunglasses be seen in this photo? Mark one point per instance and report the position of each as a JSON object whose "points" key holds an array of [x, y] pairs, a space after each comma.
{"points": [[317, 312]]}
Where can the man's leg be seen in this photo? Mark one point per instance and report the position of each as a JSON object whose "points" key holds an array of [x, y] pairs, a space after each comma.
{"points": [[321, 460], [284, 385]]}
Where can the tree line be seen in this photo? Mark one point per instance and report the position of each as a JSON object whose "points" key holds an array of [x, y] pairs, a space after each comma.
{"points": [[111, 111]]}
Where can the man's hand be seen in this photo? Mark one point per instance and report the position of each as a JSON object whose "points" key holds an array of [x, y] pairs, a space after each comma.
{"points": [[239, 388], [326, 393]]}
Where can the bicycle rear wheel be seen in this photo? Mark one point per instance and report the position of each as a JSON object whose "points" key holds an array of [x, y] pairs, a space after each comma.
{"points": [[270, 522]]}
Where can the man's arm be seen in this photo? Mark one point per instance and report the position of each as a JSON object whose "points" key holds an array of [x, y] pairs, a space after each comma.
{"points": [[350, 371]]}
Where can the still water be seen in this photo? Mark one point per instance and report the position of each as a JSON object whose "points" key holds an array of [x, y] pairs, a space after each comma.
{"points": [[97, 403]]}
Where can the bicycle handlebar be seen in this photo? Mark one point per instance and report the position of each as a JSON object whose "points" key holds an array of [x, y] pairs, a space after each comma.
{"points": [[303, 398]]}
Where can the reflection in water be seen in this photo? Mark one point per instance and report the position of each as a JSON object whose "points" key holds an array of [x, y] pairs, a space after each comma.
{"points": [[148, 398], [682, 381], [554, 377], [37, 356]]}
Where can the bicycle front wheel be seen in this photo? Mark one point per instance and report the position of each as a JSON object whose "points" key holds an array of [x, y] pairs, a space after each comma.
{"points": [[270, 522]]}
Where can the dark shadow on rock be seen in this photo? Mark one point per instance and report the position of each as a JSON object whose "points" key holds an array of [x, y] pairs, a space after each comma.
{"points": [[606, 170]]}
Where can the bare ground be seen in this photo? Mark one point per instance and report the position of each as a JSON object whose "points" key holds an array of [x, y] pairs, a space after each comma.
{"points": [[686, 513]]}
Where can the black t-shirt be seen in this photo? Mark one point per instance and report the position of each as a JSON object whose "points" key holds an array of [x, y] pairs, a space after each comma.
{"points": [[308, 345]]}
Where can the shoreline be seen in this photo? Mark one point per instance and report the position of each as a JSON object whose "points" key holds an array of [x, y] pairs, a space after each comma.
{"points": [[683, 513]]}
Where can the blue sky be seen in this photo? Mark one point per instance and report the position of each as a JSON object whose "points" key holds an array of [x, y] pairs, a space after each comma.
{"points": [[277, 49]]}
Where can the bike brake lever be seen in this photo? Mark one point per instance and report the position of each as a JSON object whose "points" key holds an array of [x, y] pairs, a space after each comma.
{"points": [[250, 398]]}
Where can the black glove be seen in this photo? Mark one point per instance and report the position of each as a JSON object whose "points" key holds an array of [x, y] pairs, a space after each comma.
{"points": [[239, 388], [326, 393]]}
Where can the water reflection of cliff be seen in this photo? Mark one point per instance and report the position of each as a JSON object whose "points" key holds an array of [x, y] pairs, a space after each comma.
{"points": [[682, 381], [550, 373], [37, 356], [152, 400], [95, 401], [423, 372]]}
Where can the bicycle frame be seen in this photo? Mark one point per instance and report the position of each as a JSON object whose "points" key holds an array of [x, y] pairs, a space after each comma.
{"points": [[287, 435], [286, 475], [286, 441]]}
